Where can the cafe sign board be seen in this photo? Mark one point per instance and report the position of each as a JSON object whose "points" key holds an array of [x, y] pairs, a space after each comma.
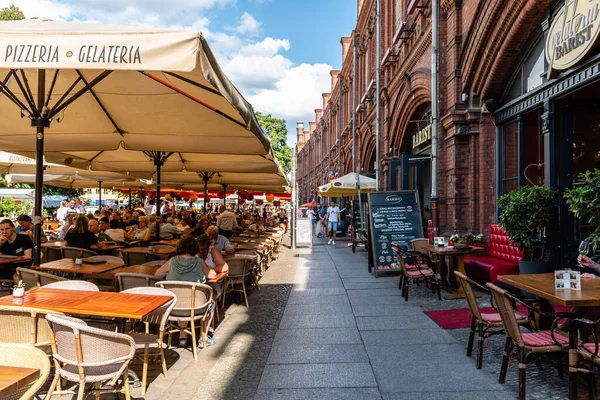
{"points": [[422, 136], [573, 34]]}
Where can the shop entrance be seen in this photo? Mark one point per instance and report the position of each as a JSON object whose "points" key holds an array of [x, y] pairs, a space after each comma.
{"points": [[416, 175]]}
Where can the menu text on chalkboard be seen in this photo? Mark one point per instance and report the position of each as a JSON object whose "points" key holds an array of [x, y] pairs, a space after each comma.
{"points": [[395, 218]]}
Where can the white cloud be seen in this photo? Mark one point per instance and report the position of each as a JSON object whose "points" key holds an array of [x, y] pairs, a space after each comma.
{"points": [[248, 25]]}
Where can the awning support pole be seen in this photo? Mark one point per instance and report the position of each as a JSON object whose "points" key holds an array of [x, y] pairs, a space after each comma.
{"points": [[99, 195]]}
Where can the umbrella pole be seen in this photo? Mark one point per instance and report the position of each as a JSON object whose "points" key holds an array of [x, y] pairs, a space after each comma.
{"points": [[205, 178], [130, 208], [158, 163], [99, 195], [225, 194], [41, 121]]}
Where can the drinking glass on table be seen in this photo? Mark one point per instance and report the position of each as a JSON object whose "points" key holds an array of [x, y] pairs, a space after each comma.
{"points": [[584, 249]]}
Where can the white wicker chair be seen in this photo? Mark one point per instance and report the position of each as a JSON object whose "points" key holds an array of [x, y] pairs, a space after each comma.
{"points": [[129, 281], [87, 355], [25, 356], [146, 340], [73, 285]]}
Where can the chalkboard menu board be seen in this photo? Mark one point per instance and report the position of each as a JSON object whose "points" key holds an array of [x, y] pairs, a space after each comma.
{"points": [[303, 231], [395, 218]]}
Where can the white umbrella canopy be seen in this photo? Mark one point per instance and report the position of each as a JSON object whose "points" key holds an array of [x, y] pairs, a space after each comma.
{"points": [[347, 185], [90, 88], [81, 181]]}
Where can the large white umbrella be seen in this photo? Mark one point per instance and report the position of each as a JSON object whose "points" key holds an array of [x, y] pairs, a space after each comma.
{"points": [[348, 185], [90, 89]]}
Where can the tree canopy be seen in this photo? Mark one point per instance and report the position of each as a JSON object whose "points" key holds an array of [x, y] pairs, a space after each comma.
{"points": [[11, 13], [276, 130]]}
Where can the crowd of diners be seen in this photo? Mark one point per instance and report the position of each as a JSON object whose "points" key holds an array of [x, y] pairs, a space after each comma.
{"points": [[202, 238]]}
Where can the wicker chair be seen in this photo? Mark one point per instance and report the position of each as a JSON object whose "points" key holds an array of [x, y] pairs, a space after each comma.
{"points": [[89, 355], [25, 356], [73, 252], [146, 340], [128, 281], [29, 277], [46, 278], [238, 272], [156, 263], [421, 269], [24, 325], [164, 246], [193, 304], [536, 343], [73, 285], [139, 257], [484, 322]]}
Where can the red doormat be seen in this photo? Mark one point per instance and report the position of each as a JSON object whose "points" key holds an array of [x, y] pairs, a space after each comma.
{"points": [[461, 317]]}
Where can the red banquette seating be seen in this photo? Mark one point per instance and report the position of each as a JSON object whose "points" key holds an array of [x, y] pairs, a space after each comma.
{"points": [[502, 258]]}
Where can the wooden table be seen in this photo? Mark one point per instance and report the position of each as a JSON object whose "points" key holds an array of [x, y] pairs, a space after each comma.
{"points": [[81, 302], [162, 252], [13, 379], [542, 285], [134, 269], [67, 265], [10, 260], [460, 257]]}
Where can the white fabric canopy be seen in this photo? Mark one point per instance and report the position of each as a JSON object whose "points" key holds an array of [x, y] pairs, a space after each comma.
{"points": [[347, 186]]}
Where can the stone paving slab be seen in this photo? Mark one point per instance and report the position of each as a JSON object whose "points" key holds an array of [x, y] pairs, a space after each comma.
{"points": [[338, 298], [318, 292], [371, 285], [341, 375], [323, 321], [376, 299], [462, 395], [318, 394], [406, 337], [375, 310], [319, 308], [309, 336], [411, 321], [286, 353], [392, 291]]}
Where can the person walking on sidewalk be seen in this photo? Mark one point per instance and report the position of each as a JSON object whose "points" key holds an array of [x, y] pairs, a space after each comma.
{"points": [[333, 213]]}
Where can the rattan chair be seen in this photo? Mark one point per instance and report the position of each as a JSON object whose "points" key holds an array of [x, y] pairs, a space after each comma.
{"points": [[87, 355], [29, 277], [193, 304], [129, 281], [236, 278], [525, 344], [46, 278], [139, 257], [420, 269], [25, 356], [146, 340], [73, 285], [156, 263], [24, 325], [164, 246], [74, 252], [484, 322]]}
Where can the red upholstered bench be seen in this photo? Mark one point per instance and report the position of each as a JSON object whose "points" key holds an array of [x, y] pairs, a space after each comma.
{"points": [[502, 258]]}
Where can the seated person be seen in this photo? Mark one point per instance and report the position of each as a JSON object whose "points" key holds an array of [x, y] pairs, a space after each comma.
{"points": [[12, 244], [186, 266], [80, 236], [191, 227], [212, 258], [219, 241], [67, 225], [116, 233], [94, 227], [26, 227], [592, 266], [257, 226], [143, 232], [170, 228]]}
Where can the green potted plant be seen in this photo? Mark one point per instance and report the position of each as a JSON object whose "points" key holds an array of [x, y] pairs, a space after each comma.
{"points": [[584, 202], [525, 214], [79, 258], [19, 289]]}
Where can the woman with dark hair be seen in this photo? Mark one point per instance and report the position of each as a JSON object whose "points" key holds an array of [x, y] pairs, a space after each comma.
{"points": [[186, 266], [80, 236]]}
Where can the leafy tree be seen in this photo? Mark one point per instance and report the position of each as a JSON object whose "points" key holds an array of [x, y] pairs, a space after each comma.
{"points": [[9, 207], [277, 133], [11, 13]]}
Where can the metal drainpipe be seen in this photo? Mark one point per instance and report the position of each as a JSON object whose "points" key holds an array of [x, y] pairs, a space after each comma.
{"points": [[378, 90], [434, 113]]}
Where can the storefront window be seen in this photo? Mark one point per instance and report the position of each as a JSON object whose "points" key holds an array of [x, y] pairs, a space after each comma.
{"points": [[531, 72], [510, 157]]}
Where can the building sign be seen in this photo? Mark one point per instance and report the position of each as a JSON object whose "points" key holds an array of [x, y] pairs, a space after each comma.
{"points": [[422, 136], [573, 34]]}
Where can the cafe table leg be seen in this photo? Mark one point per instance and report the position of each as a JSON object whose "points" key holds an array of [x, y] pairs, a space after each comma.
{"points": [[573, 358], [443, 273], [460, 294]]}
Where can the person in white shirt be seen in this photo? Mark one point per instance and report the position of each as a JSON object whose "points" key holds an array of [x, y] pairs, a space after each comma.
{"points": [[226, 222], [333, 213]]}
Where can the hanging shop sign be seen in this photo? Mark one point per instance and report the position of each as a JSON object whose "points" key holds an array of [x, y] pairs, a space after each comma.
{"points": [[573, 34], [423, 136]]}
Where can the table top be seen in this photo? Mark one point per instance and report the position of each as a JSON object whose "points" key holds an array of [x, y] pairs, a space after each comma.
{"points": [[68, 265], [542, 285], [13, 379], [145, 250], [81, 302], [54, 243], [245, 256], [61, 243], [10, 260], [135, 269], [451, 251]]}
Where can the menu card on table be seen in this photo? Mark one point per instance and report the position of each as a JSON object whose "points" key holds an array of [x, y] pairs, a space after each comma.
{"points": [[567, 280]]}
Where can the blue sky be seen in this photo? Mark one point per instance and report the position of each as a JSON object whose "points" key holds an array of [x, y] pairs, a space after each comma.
{"points": [[277, 52]]}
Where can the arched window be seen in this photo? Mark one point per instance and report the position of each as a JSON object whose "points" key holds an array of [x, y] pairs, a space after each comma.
{"points": [[531, 70]]}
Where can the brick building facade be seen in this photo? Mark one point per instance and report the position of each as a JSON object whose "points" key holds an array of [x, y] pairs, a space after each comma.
{"points": [[495, 102]]}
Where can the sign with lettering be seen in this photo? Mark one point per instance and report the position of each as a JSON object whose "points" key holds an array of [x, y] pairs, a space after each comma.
{"points": [[303, 231], [573, 34], [395, 217], [423, 136]]}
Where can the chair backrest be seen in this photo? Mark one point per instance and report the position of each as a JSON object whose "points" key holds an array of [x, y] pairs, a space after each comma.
{"points": [[139, 257], [73, 285], [155, 263], [73, 340], [507, 313], [73, 252], [128, 281], [190, 295], [238, 267], [25, 356], [24, 325], [111, 259], [159, 316], [500, 245], [29, 277], [419, 244], [466, 284], [46, 278], [164, 246]]}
